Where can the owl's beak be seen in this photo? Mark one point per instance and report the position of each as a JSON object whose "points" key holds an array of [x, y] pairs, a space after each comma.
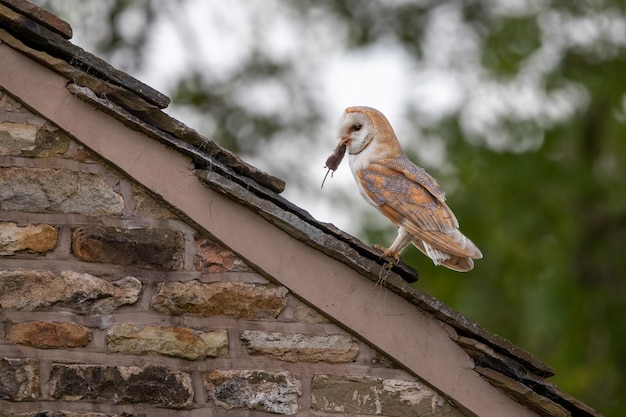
{"points": [[345, 140]]}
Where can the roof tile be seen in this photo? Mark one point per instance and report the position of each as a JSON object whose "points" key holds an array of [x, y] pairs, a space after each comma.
{"points": [[40, 15]]}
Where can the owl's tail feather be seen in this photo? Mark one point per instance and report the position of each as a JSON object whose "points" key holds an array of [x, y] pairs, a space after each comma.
{"points": [[456, 263]]}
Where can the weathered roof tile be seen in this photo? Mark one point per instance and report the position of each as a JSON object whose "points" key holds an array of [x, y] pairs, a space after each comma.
{"points": [[38, 36], [42, 16]]}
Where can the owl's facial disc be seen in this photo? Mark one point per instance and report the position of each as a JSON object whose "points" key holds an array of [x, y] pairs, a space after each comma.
{"points": [[355, 131]]}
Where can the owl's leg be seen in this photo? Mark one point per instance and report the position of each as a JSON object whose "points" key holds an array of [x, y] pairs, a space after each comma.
{"points": [[402, 241]]}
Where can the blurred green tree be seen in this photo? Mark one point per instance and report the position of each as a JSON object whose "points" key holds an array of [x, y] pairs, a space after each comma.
{"points": [[532, 150]]}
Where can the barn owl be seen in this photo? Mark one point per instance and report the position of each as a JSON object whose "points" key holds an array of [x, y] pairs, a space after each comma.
{"points": [[402, 191]]}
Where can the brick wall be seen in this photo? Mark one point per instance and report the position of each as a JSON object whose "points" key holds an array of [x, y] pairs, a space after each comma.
{"points": [[112, 305]]}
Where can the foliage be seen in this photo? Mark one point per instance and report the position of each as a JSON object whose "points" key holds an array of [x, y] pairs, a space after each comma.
{"points": [[532, 148]]}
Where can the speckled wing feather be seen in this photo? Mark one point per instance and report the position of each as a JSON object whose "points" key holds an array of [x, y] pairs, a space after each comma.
{"points": [[411, 198], [417, 174]]}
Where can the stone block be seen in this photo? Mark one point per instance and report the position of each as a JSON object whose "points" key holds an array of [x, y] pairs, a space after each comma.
{"points": [[9, 105], [146, 205], [29, 290], [155, 385], [377, 396], [379, 359], [296, 347], [274, 392], [19, 379], [32, 238], [16, 136], [57, 191], [80, 153], [308, 315], [147, 248], [232, 299], [211, 257], [49, 335], [50, 141], [180, 342]]}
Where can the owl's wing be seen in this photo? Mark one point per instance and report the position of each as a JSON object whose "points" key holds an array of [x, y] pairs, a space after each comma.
{"points": [[411, 198], [417, 174]]}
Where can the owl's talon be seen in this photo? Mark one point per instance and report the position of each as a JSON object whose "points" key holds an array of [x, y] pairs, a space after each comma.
{"points": [[380, 249], [388, 253]]}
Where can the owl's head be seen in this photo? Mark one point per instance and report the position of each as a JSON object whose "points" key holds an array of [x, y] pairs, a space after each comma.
{"points": [[361, 127]]}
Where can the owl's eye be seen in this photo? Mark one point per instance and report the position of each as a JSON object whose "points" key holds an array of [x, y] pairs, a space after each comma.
{"points": [[356, 127]]}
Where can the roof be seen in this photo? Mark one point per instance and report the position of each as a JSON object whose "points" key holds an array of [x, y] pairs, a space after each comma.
{"points": [[44, 38]]}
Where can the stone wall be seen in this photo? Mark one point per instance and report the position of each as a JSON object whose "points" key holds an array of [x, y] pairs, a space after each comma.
{"points": [[112, 305]]}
